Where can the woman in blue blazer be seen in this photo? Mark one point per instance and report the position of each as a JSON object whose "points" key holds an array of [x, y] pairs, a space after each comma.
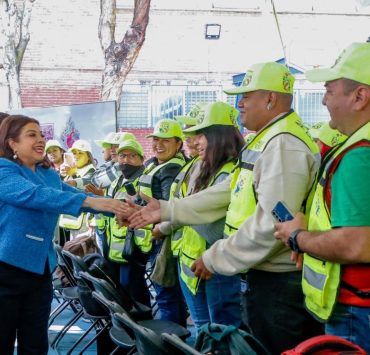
{"points": [[31, 198]]}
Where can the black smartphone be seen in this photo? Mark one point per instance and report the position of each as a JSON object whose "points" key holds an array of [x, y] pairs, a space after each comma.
{"points": [[281, 213]]}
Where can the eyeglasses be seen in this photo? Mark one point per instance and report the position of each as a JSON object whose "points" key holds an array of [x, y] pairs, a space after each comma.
{"points": [[129, 156]]}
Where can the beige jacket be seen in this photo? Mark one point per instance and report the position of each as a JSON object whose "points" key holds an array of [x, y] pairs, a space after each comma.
{"points": [[284, 172]]}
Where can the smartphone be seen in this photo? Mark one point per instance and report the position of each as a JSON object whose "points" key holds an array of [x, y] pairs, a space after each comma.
{"points": [[281, 213], [69, 159]]}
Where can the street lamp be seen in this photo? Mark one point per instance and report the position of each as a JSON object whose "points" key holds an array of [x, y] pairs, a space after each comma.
{"points": [[213, 31]]}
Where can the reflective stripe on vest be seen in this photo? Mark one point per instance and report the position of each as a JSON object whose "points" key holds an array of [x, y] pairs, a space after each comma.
{"points": [[179, 189], [320, 297], [70, 222], [243, 199], [193, 244], [145, 180], [117, 234]]}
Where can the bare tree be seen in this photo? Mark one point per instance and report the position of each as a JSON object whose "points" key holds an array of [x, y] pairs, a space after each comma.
{"points": [[14, 38], [120, 57]]}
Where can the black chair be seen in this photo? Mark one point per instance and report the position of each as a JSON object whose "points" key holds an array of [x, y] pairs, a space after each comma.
{"points": [[92, 310], [69, 295], [111, 299], [137, 310], [179, 344], [148, 340], [117, 333]]}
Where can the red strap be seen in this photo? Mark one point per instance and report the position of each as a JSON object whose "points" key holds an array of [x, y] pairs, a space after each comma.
{"points": [[333, 168], [325, 344]]}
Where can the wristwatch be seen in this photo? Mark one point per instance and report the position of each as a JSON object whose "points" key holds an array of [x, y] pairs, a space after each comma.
{"points": [[292, 241]]}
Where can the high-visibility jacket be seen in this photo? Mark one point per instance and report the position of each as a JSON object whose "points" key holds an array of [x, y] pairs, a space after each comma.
{"points": [[116, 234], [243, 200], [71, 222], [179, 189], [194, 242], [321, 279], [146, 180]]}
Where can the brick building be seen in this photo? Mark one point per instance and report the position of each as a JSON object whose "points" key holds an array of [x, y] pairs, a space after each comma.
{"points": [[63, 62]]}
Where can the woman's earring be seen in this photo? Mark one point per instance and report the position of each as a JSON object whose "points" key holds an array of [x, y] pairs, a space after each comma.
{"points": [[15, 156]]}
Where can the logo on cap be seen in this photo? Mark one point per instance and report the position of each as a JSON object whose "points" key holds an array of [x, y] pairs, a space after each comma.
{"points": [[232, 118], [195, 111], [287, 82], [164, 127], [339, 58], [247, 78]]}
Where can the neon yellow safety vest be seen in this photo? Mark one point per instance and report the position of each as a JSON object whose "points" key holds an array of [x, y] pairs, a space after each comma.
{"points": [[146, 180], [320, 278], [243, 199], [194, 244], [70, 222], [117, 234], [179, 189]]}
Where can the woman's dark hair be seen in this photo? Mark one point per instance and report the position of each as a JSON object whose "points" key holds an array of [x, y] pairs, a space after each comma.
{"points": [[223, 144], [3, 116], [11, 128]]}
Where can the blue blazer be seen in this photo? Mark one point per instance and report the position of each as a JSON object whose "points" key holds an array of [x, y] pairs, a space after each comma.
{"points": [[30, 204]]}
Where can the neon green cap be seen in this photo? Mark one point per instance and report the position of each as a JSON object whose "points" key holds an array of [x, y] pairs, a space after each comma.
{"points": [[191, 118], [217, 113], [108, 137], [326, 134], [52, 143], [118, 138], [166, 128], [352, 63], [132, 145], [268, 76]]}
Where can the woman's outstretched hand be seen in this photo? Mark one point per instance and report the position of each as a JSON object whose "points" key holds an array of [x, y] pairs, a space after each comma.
{"points": [[149, 214]]}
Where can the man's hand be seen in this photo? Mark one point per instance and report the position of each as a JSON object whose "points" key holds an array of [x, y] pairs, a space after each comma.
{"points": [[297, 258], [157, 234], [149, 214], [200, 269], [95, 190], [283, 230]]}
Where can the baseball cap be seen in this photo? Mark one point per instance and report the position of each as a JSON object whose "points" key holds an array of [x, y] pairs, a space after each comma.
{"points": [[107, 138], [352, 63], [326, 134], [191, 118], [166, 128], [82, 145], [117, 138], [270, 76], [52, 143], [132, 145], [217, 113]]}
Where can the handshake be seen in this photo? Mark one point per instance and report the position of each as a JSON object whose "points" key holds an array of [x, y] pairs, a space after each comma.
{"points": [[140, 210]]}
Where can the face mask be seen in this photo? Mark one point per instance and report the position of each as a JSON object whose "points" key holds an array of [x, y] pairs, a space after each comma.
{"points": [[128, 170]]}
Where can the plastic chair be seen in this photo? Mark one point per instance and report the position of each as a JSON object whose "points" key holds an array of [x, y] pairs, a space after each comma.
{"points": [[180, 345], [110, 299], [92, 310], [136, 310], [147, 341], [70, 298], [117, 333]]}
